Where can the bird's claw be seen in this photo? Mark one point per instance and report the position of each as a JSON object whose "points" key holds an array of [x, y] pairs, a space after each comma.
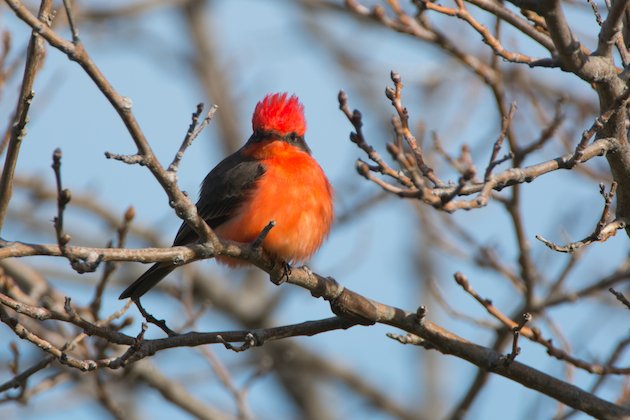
{"points": [[284, 277]]}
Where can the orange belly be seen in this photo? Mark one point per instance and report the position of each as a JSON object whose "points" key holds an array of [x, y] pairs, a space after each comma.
{"points": [[293, 192]]}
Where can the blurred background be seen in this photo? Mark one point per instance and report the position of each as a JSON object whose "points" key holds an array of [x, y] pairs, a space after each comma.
{"points": [[168, 55]]}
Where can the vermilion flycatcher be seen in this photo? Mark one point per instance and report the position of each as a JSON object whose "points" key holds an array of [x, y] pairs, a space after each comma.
{"points": [[272, 177]]}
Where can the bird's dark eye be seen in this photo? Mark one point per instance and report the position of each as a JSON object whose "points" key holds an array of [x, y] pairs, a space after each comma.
{"points": [[257, 136], [293, 137]]}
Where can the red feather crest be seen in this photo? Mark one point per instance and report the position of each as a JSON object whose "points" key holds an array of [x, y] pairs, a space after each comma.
{"points": [[279, 112]]}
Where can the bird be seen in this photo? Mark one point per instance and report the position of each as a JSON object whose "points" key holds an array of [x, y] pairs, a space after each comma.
{"points": [[273, 177]]}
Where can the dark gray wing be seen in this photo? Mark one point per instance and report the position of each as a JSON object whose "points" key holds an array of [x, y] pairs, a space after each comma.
{"points": [[223, 190]]}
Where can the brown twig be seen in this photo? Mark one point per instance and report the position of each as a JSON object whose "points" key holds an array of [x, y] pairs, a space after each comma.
{"points": [[19, 381], [410, 339], [346, 302], [176, 393], [610, 31], [535, 335], [547, 133], [244, 411], [395, 96], [444, 197], [136, 159], [38, 190], [494, 159], [357, 137], [87, 265], [73, 28], [597, 125], [183, 206], [615, 354], [603, 230], [620, 275], [110, 266], [193, 132], [34, 61], [214, 75], [516, 350], [160, 323], [620, 297], [257, 243], [462, 13]]}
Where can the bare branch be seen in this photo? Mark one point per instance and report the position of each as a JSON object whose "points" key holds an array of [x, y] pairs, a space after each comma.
{"points": [[181, 203], [611, 29], [110, 267], [603, 230], [462, 13], [193, 132], [620, 297], [535, 335], [494, 160], [87, 265], [516, 350], [262, 235], [174, 392], [34, 61], [598, 124], [75, 33], [21, 379], [160, 323], [395, 96]]}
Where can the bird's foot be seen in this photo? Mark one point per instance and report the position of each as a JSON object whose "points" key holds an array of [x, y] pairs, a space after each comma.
{"points": [[284, 276]]}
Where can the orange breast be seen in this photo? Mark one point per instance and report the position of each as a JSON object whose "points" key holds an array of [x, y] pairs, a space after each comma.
{"points": [[295, 193]]}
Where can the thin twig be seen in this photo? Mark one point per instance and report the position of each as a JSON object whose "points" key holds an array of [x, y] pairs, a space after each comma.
{"points": [[395, 96], [358, 138], [494, 160], [111, 266], [597, 125], [160, 323], [193, 132], [73, 29], [603, 230], [620, 297], [610, 31], [80, 265], [256, 244], [535, 335], [462, 13], [182, 204], [63, 198], [516, 350], [128, 159]]}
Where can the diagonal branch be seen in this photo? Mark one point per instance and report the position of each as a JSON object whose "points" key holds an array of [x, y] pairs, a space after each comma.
{"points": [[620, 297], [535, 335], [611, 28], [350, 302], [462, 13], [182, 204], [603, 230], [34, 61], [63, 198], [193, 132]]}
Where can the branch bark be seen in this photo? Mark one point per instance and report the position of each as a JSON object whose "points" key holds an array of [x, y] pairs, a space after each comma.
{"points": [[34, 60]]}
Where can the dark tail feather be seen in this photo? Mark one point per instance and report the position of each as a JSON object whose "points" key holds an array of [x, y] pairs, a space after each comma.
{"points": [[150, 278]]}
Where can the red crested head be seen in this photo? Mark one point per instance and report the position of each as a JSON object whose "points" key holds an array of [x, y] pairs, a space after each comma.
{"points": [[281, 113]]}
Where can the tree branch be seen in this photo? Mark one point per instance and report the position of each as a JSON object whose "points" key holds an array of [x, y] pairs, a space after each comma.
{"points": [[34, 61]]}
